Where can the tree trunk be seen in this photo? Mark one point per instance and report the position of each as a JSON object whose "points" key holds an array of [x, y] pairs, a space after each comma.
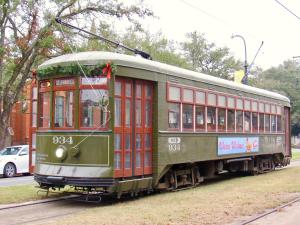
{"points": [[4, 124]]}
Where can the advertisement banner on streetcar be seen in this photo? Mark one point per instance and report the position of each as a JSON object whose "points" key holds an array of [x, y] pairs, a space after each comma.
{"points": [[236, 145]]}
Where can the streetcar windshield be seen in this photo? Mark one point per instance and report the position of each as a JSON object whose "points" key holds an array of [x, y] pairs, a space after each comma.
{"points": [[93, 111], [63, 104]]}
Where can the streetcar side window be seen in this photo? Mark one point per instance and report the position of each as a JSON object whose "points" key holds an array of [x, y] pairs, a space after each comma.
{"points": [[44, 104], [221, 113], [174, 115], [267, 122], [211, 112], [247, 116], [187, 116], [254, 119], [273, 123], [200, 117], [174, 111], [200, 97], [211, 118], [239, 115], [239, 121], [279, 123], [247, 121], [221, 119], [231, 120], [187, 109], [231, 114], [261, 122], [174, 94], [44, 110], [197, 109]]}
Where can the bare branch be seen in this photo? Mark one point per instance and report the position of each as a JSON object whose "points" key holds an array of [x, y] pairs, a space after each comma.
{"points": [[65, 7], [14, 28]]}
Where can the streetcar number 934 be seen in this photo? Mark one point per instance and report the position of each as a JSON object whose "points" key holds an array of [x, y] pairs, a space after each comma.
{"points": [[62, 140]]}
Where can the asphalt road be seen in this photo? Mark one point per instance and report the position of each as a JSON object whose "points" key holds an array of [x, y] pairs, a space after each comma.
{"points": [[20, 180]]}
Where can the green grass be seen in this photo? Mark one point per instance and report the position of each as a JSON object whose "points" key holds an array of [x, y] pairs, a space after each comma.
{"points": [[219, 202], [22, 193], [17, 194], [295, 155]]}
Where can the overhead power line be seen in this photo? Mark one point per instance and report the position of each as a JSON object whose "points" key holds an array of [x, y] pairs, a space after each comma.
{"points": [[287, 9], [204, 12], [226, 23]]}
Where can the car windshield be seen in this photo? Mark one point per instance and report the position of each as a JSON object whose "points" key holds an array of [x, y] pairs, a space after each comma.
{"points": [[10, 151]]}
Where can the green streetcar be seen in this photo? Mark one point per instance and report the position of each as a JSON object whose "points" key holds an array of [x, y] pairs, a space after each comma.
{"points": [[111, 124]]}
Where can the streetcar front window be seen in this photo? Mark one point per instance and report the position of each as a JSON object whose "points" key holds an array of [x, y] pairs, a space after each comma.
{"points": [[64, 101], [93, 111]]}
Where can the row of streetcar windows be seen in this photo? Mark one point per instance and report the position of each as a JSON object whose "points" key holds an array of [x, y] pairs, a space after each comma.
{"points": [[200, 110], [93, 103]]}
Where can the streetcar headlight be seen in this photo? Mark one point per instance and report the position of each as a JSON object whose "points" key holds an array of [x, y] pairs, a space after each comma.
{"points": [[60, 152]]}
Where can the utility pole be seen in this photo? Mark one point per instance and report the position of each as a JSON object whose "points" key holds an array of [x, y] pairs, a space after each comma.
{"points": [[245, 78]]}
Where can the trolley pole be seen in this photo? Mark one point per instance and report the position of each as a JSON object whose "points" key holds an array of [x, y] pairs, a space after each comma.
{"points": [[245, 78]]}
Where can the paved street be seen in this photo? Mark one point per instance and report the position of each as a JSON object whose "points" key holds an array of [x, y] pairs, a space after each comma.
{"points": [[21, 180]]}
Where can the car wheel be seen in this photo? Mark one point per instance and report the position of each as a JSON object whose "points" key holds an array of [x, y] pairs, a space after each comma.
{"points": [[9, 170]]}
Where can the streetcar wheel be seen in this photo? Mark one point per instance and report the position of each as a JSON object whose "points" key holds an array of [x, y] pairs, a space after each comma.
{"points": [[9, 170]]}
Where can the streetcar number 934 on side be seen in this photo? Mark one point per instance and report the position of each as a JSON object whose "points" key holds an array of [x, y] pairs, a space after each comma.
{"points": [[62, 140]]}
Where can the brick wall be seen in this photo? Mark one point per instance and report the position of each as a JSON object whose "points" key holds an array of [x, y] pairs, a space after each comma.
{"points": [[20, 121]]}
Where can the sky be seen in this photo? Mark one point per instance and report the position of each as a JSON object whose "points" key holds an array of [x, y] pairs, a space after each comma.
{"points": [[255, 20]]}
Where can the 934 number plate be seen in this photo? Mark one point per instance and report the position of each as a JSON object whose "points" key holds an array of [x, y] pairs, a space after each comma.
{"points": [[62, 140]]}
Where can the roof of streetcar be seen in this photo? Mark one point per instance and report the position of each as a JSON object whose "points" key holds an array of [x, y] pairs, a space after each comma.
{"points": [[97, 57]]}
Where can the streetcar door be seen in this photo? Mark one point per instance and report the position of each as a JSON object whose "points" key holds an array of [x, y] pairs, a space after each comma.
{"points": [[133, 127], [143, 100], [287, 131], [123, 127]]}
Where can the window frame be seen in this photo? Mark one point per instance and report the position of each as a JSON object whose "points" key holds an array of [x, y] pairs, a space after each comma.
{"points": [[221, 107], [91, 87], [180, 119], [182, 96], [260, 110], [168, 92], [193, 117], [64, 88], [41, 89], [254, 111]]}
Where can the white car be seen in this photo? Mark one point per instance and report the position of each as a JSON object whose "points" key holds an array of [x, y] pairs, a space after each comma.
{"points": [[14, 159]]}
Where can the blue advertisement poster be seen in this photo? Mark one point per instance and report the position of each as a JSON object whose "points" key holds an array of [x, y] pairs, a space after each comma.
{"points": [[235, 145]]}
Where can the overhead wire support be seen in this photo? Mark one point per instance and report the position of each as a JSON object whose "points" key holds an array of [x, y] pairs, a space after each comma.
{"points": [[251, 64], [143, 54]]}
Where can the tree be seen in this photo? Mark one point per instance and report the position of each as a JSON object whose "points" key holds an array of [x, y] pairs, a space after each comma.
{"points": [[28, 35], [284, 79], [205, 57], [160, 48]]}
